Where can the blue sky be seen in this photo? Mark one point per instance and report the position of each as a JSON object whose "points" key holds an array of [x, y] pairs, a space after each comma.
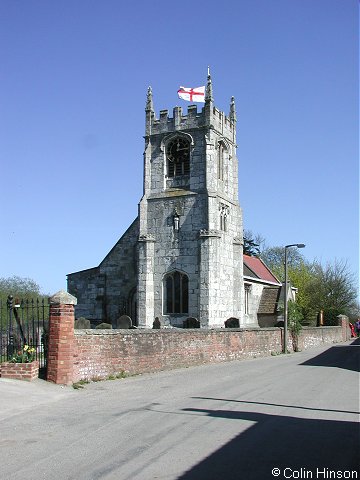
{"points": [[74, 76]]}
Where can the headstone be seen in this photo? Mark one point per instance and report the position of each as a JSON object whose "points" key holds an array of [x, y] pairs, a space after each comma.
{"points": [[104, 326], [320, 319], [232, 322], [123, 322], [157, 323], [191, 322], [81, 323]]}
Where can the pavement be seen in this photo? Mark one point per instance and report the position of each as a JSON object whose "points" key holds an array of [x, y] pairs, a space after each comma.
{"points": [[19, 396]]}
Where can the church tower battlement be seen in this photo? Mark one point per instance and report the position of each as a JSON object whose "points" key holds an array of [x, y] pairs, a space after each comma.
{"points": [[224, 124], [190, 242]]}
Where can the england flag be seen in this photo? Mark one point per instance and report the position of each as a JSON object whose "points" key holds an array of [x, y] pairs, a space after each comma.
{"points": [[192, 94]]}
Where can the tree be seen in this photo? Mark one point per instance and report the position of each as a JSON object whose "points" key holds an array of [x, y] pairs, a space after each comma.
{"points": [[21, 289], [253, 244], [330, 288], [274, 257], [18, 286], [250, 247]]}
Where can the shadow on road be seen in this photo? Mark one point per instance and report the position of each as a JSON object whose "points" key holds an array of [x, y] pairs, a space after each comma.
{"points": [[297, 407], [341, 356], [306, 447], [274, 441]]}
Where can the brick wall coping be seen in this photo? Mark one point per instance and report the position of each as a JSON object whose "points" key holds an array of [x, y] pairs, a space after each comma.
{"points": [[184, 331], [148, 331], [324, 327]]}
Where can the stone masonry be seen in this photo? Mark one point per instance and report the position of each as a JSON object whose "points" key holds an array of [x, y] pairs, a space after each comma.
{"points": [[189, 228]]}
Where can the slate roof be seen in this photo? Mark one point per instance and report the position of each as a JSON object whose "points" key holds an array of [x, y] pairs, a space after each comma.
{"points": [[269, 301]]}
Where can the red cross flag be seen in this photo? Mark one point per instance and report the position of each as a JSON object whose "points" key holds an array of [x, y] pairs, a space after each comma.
{"points": [[192, 94]]}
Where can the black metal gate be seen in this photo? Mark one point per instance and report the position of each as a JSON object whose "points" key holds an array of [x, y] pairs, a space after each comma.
{"points": [[24, 323]]}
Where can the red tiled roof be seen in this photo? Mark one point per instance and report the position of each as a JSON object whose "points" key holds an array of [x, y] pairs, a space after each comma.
{"points": [[260, 269]]}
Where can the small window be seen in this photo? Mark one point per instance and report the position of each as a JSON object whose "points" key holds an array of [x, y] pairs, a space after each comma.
{"points": [[220, 152], [247, 288], [176, 293], [178, 157]]}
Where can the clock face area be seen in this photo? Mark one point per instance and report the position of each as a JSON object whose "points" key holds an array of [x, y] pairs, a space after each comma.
{"points": [[178, 155]]}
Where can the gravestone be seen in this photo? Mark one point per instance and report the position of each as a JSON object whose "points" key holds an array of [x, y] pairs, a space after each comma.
{"points": [[156, 323], [232, 322], [81, 323], [104, 326], [123, 322], [191, 322]]}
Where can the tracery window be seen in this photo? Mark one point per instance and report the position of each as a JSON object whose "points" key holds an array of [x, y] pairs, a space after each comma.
{"points": [[176, 293], [224, 213]]}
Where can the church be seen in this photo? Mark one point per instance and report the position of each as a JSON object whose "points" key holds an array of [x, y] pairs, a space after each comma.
{"points": [[182, 257]]}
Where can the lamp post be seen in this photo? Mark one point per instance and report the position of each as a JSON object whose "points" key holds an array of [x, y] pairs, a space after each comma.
{"points": [[297, 245]]}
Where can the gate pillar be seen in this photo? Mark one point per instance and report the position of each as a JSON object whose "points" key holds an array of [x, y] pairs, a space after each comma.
{"points": [[61, 338]]}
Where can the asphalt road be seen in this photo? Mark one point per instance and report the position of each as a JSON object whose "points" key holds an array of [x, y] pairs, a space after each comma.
{"points": [[293, 416]]}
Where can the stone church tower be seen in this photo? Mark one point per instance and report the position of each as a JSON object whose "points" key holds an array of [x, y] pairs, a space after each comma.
{"points": [[190, 261], [182, 257]]}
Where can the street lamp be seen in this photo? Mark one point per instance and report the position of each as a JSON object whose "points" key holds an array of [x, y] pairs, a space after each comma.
{"points": [[297, 245]]}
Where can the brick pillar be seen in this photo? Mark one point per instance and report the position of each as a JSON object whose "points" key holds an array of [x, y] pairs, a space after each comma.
{"points": [[344, 324], [61, 338]]}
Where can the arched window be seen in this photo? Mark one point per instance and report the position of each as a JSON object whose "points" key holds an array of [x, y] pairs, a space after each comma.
{"points": [[176, 293], [221, 152], [224, 213], [178, 157]]}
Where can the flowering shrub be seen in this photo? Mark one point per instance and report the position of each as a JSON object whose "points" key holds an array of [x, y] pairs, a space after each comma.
{"points": [[26, 355]]}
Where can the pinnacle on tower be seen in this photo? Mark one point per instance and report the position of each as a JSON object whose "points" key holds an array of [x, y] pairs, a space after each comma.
{"points": [[149, 101], [209, 92], [232, 110]]}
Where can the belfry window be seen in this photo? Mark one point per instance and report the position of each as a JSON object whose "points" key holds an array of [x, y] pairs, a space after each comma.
{"points": [[220, 152], [178, 157], [176, 293]]}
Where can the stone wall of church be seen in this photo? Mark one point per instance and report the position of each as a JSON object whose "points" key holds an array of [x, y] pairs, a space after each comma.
{"points": [[88, 286], [222, 256], [104, 292], [175, 250], [251, 318]]}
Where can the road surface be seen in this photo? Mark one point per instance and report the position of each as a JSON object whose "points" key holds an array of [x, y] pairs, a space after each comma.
{"points": [[287, 416]]}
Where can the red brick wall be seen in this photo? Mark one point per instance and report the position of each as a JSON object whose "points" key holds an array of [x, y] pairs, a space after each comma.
{"points": [[98, 354], [88, 354], [20, 371], [315, 336]]}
